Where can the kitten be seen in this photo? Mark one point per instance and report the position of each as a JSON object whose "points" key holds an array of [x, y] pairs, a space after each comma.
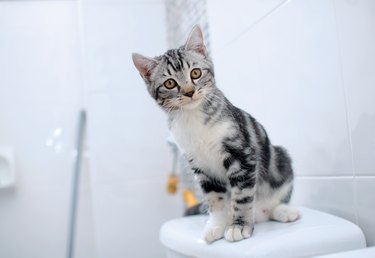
{"points": [[244, 178]]}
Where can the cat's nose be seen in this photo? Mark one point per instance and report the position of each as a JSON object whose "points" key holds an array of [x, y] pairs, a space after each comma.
{"points": [[189, 93]]}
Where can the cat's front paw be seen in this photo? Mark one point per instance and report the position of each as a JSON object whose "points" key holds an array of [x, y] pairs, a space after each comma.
{"points": [[213, 233], [237, 232]]}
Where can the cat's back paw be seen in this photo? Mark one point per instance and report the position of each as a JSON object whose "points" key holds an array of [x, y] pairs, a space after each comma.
{"points": [[285, 213], [213, 232]]}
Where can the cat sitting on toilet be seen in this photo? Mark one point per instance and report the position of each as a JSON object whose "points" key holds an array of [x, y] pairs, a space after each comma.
{"points": [[244, 178]]}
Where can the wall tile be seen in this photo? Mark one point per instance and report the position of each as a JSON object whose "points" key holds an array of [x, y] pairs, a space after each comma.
{"points": [[334, 195], [231, 18], [129, 214], [288, 67], [129, 155], [126, 133], [365, 206], [112, 32], [355, 20], [41, 94]]}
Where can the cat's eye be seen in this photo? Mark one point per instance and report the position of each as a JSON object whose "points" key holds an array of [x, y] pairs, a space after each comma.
{"points": [[195, 73], [170, 84]]}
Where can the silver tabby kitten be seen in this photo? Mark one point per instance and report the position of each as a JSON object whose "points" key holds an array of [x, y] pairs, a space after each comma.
{"points": [[244, 178]]}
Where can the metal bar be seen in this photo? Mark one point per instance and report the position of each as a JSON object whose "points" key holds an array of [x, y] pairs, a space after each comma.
{"points": [[75, 184]]}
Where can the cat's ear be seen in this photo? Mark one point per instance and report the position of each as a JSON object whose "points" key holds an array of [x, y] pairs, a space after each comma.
{"points": [[144, 65], [195, 41]]}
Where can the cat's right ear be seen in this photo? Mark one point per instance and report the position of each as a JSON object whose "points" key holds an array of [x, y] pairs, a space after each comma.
{"points": [[195, 41], [144, 65]]}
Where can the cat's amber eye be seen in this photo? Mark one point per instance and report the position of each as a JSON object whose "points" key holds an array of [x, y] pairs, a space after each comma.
{"points": [[195, 73], [170, 84]]}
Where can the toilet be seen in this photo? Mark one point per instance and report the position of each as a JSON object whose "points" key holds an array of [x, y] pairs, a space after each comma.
{"points": [[360, 253], [316, 233]]}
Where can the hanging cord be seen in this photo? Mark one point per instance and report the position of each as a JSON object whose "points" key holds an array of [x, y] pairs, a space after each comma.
{"points": [[75, 184]]}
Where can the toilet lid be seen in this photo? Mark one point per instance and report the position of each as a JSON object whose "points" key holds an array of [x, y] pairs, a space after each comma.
{"points": [[316, 233]]}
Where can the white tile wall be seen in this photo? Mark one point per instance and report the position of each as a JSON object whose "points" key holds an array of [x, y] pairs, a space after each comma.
{"points": [[307, 69], [365, 206], [335, 195], [237, 19], [130, 159], [355, 20], [288, 68], [112, 31], [40, 95]]}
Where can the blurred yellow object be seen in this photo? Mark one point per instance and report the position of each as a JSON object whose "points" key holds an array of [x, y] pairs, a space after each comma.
{"points": [[189, 198], [172, 184]]}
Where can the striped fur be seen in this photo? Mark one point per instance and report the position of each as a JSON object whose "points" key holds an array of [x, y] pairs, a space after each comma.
{"points": [[244, 178]]}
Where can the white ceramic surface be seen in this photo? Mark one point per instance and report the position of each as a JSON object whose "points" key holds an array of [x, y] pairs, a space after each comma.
{"points": [[360, 253], [315, 233]]}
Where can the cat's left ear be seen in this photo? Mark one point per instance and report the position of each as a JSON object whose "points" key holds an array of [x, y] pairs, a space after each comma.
{"points": [[144, 65], [195, 41]]}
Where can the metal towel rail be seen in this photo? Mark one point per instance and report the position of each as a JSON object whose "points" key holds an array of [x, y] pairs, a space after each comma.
{"points": [[75, 184]]}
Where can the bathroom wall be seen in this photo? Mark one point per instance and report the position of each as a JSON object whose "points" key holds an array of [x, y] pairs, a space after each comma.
{"points": [[306, 68], [57, 57], [307, 71], [40, 95], [129, 156]]}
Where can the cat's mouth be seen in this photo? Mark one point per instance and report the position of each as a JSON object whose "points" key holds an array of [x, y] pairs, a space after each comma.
{"points": [[191, 102]]}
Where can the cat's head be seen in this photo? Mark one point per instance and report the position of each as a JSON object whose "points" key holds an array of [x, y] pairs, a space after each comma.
{"points": [[181, 78]]}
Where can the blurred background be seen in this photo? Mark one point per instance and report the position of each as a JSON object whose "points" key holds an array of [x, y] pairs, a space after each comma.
{"points": [[304, 68]]}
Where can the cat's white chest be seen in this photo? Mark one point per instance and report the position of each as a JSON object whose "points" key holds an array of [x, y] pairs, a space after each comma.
{"points": [[200, 142]]}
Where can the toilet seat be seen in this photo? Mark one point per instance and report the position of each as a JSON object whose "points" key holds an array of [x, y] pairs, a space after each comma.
{"points": [[316, 233]]}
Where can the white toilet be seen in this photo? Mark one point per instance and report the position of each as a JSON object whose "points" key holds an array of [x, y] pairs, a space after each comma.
{"points": [[359, 253], [316, 233]]}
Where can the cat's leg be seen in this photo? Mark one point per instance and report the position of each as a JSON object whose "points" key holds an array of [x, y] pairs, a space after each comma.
{"points": [[216, 200], [217, 207], [242, 179]]}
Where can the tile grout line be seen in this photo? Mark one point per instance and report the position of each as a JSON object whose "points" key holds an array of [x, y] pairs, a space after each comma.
{"points": [[347, 113], [255, 23]]}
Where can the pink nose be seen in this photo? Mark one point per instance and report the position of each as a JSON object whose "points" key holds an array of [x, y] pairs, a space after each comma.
{"points": [[189, 93]]}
